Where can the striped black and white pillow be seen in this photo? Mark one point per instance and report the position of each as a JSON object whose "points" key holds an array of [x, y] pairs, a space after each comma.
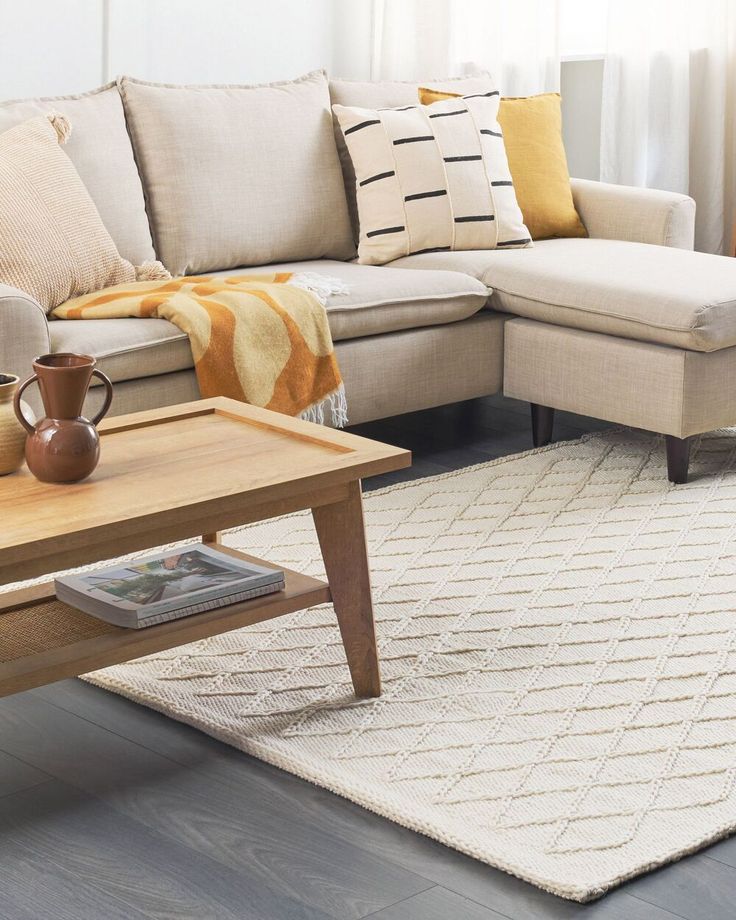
{"points": [[431, 178]]}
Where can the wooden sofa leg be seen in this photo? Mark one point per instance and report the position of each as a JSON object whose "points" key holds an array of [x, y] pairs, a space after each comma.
{"points": [[543, 419], [678, 458]]}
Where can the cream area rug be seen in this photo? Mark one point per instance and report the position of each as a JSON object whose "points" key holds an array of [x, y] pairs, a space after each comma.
{"points": [[558, 642]]}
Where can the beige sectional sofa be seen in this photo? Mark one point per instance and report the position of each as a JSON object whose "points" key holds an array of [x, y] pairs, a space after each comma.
{"points": [[624, 325]]}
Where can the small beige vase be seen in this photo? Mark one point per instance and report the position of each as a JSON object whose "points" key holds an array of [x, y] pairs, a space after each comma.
{"points": [[12, 435]]}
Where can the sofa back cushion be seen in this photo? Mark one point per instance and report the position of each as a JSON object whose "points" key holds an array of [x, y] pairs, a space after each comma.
{"points": [[389, 94], [239, 175], [101, 151]]}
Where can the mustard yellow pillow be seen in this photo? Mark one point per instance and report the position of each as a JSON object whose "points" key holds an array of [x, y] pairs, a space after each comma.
{"points": [[532, 133]]}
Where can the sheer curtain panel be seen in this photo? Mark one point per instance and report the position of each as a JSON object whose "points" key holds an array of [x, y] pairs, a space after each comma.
{"points": [[516, 40], [669, 91]]}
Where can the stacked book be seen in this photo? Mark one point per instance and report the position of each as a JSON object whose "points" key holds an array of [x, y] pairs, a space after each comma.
{"points": [[172, 584]]}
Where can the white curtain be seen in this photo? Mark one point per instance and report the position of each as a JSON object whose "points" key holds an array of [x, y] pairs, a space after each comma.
{"points": [[516, 40], [669, 90]]}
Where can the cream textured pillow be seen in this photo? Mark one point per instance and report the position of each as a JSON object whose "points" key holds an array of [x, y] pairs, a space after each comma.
{"points": [[389, 94], [432, 178], [53, 244]]}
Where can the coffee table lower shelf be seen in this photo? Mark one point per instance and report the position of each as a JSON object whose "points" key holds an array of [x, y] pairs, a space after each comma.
{"points": [[43, 640]]}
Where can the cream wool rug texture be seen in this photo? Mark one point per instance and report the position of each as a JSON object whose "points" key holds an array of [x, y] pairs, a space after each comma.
{"points": [[558, 644]]}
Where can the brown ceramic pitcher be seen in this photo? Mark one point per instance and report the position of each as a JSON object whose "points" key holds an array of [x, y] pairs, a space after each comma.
{"points": [[64, 446]]}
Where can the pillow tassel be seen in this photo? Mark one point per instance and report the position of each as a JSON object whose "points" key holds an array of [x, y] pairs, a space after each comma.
{"points": [[152, 271], [62, 126]]}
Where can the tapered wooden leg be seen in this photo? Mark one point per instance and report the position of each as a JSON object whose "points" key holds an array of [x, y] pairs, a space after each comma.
{"points": [[678, 458], [543, 419], [342, 539], [214, 537]]}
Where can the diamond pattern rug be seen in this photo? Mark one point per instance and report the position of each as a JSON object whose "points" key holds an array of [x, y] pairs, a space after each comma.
{"points": [[558, 644]]}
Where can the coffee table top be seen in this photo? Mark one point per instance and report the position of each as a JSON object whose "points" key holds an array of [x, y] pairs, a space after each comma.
{"points": [[174, 473]]}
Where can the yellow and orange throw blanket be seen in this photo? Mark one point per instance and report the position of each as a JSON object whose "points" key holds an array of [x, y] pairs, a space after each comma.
{"points": [[262, 339]]}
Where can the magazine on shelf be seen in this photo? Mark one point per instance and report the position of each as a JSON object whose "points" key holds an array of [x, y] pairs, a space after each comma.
{"points": [[171, 584]]}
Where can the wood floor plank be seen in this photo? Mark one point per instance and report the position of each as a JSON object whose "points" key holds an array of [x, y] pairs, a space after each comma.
{"points": [[724, 851], [16, 775], [67, 854], [436, 904], [300, 860], [696, 888]]}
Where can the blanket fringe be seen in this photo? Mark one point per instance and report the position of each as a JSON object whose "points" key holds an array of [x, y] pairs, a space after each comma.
{"points": [[337, 405], [322, 286]]}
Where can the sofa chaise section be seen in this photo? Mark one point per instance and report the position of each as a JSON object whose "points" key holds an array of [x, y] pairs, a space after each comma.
{"points": [[638, 332]]}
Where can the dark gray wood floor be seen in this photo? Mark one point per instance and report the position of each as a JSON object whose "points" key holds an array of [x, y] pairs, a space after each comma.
{"points": [[109, 810]]}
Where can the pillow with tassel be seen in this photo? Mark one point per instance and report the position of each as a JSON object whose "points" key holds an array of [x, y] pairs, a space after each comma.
{"points": [[53, 244]]}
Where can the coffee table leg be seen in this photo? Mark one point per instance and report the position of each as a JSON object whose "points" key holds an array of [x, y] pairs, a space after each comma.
{"points": [[214, 537], [342, 539]]}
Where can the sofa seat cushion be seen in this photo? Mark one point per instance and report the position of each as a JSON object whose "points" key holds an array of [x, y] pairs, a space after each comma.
{"points": [[633, 290], [381, 300], [378, 301], [126, 349]]}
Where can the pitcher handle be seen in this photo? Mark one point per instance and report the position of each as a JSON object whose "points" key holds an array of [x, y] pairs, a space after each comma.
{"points": [[17, 406], [108, 396]]}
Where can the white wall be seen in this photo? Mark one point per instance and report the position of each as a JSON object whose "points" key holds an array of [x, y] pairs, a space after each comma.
{"points": [[51, 47], [219, 41]]}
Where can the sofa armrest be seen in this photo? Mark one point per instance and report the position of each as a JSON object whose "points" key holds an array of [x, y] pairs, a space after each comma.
{"points": [[24, 331], [641, 215]]}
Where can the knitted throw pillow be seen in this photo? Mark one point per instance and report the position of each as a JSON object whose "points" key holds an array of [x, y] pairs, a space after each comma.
{"points": [[431, 178], [53, 244]]}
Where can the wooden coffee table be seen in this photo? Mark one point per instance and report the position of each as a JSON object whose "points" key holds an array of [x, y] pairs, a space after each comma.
{"points": [[176, 474]]}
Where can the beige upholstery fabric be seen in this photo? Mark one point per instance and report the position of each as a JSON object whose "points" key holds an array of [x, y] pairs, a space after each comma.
{"points": [[634, 290], [147, 393], [378, 302], [126, 349], [239, 175], [389, 94], [381, 301], [101, 151], [24, 331], [432, 178], [641, 215], [648, 386], [384, 374], [405, 371], [381, 94], [54, 244]]}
